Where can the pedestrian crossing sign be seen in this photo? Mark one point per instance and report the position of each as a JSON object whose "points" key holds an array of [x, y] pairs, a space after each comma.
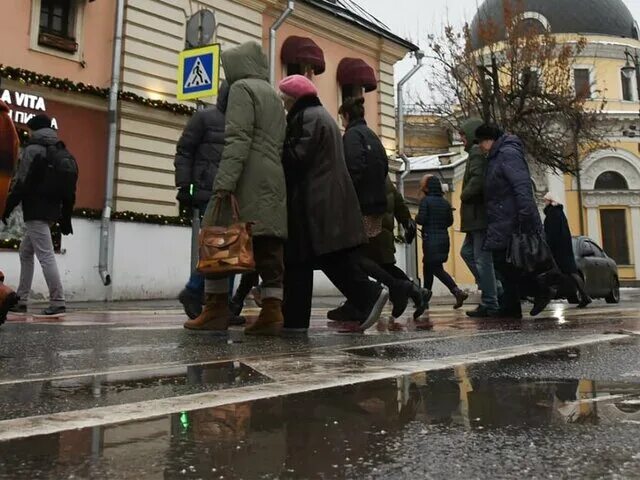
{"points": [[199, 72]]}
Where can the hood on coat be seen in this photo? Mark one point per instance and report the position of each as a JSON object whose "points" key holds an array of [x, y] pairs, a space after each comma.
{"points": [[434, 187], [507, 142], [45, 136], [245, 61], [223, 97], [469, 128]]}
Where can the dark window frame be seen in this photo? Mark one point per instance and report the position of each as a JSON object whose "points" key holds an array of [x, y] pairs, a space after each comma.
{"points": [[627, 85], [583, 90], [62, 38], [611, 181]]}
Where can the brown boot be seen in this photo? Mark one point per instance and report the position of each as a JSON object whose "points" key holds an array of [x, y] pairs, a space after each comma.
{"points": [[215, 316], [270, 321]]}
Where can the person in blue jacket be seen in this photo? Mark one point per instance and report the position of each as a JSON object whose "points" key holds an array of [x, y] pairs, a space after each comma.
{"points": [[436, 216]]}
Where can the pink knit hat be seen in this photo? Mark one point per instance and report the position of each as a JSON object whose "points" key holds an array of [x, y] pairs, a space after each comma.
{"points": [[297, 86]]}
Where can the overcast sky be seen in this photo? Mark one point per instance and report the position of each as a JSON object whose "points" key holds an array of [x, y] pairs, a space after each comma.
{"points": [[415, 19]]}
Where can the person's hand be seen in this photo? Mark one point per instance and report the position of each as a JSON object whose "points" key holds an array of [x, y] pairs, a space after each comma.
{"points": [[65, 226], [223, 194], [185, 200], [410, 231]]}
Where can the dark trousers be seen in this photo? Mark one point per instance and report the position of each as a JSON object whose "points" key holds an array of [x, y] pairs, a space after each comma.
{"points": [[397, 273], [247, 282], [511, 279], [437, 270], [345, 272], [381, 274], [269, 256]]}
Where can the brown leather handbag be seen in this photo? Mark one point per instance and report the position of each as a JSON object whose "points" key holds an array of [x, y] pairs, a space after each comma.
{"points": [[228, 250]]}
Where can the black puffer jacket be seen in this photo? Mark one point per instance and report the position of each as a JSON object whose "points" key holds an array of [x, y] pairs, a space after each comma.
{"points": [[199, 150], [511, 206], [24, 184], [435, 216], [368, 166]]}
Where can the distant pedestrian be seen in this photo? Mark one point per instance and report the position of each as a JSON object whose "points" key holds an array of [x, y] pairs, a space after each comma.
{"points": [[558, 236], [368, 166], [436, 216], [326, 229], [45, 185], [511, 208], [473, 221], [197, 159], [251, 169]]}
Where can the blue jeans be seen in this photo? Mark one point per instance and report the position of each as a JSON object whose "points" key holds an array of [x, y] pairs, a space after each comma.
{"points": [[196, 284], [480, 262]]}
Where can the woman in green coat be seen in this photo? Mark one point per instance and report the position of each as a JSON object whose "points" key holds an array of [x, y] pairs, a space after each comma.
{"points": [[251, 169]]}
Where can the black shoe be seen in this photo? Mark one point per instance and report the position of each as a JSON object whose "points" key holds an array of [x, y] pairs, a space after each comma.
{"points": [[345, 313], [53, 312], [376, 309], [585, 302], [18, 309], [399, 297], [235, 307], [541, 302], [238, 320], [480, 312], [422, 305], [461, 297], [191, 302]]}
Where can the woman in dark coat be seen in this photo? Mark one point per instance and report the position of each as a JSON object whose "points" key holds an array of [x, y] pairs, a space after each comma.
{"points": [[436, 216], [558, 235], [324, 222], [511, 208]]}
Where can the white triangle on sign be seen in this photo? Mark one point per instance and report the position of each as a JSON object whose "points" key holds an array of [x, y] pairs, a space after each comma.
{"points": [[198, 76]]}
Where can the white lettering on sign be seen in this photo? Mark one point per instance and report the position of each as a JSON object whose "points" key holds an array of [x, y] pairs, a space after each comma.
{"points": [[25, 101]]}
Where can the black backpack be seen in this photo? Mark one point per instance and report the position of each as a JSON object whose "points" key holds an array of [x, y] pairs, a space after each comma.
{"points": [[56, 174]]}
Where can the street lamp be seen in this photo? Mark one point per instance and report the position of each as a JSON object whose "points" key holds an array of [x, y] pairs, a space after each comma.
{"points": [[632, 67]]}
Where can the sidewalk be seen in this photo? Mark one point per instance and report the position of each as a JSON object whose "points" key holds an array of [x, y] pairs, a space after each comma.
{"points": [[174, 305]]}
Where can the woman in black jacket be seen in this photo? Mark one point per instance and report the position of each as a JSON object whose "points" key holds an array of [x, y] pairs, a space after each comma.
{"points": [[558, 235], [436, 216]]}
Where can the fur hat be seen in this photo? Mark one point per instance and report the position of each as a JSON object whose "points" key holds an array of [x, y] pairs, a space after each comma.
{"points": [[39, 122], [298, 86]]}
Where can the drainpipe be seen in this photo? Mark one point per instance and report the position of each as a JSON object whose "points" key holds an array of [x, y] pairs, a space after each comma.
{"points": [[105, 228], [272, 39], [419, 56], [411, 257]]}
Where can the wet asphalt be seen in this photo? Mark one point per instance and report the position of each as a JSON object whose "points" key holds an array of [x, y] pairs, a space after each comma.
{"points": [[548, 405]]}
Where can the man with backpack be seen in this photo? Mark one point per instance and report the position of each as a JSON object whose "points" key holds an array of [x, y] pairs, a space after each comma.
{"points": [[45, 185]]}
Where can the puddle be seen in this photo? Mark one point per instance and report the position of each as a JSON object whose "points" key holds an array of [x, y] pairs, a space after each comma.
{"points": [[53, 396], [459, 423]]}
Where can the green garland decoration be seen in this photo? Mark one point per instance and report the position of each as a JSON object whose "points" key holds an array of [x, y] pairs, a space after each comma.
{"points": [[27, 77], [95, 214]]}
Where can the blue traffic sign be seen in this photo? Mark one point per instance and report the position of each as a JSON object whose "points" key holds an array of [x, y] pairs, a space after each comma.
{"points": [[199, 72]]}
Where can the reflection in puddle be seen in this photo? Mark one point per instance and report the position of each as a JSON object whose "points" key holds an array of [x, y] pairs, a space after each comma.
{"points": [[52, 396], [346, 432]]}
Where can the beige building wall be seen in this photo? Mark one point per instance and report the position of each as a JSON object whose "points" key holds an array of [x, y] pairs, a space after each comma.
{"points": [[154, 36]]}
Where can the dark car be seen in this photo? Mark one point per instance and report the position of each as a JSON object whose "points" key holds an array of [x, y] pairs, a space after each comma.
{"points": [[600, 272]]}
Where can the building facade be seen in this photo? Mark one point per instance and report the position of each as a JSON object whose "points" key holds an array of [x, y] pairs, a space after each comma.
{"points": [[58, 60], [604, 202]]}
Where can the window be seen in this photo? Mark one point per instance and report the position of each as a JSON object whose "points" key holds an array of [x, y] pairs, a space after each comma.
{"points": [[582, 82], [613, 223], [352, 91], [531, 81], [300, 69], [57, 25], [627, 77], [611, 181]]}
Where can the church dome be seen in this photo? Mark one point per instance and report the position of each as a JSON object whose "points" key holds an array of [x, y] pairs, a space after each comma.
{"points": [[595, 17]]}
